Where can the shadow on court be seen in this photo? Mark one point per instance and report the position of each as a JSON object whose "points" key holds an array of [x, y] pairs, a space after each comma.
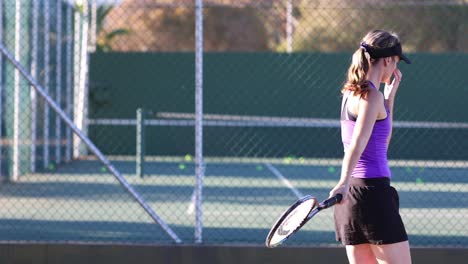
{"points": [[95, 191], [150, 233]]}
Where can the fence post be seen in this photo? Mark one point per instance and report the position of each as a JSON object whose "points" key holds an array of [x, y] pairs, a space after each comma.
{"points": [[199, 163], [80, 100]]}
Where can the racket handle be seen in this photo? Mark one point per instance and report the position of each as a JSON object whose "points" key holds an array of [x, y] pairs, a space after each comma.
{"points": [[331, 201]]}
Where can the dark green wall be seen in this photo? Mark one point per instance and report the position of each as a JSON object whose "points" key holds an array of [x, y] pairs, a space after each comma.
{"points": [[434, 88], [125, 254]]}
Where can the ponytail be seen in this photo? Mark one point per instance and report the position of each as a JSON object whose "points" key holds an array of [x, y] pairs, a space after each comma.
{"points": [[357, 72]]}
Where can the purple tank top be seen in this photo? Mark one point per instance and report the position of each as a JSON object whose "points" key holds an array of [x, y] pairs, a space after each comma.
{"points": [[373, 161]]}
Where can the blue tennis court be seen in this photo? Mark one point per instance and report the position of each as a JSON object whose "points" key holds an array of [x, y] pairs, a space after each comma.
{"points": [[82, 202]]}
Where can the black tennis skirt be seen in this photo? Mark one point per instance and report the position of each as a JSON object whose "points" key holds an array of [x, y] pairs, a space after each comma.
{"points": [[370, 214]]}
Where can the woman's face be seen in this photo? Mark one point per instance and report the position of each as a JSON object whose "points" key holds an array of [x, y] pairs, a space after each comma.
{"points": [[391, 65]]}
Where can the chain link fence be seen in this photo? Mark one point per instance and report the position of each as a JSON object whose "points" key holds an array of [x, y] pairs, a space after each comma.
{"points": [[168, 146]]}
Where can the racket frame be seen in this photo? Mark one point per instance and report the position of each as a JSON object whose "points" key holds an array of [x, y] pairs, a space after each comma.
{"points": [[313, 211]]}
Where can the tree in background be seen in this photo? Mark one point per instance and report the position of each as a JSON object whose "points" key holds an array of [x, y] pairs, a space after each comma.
{"points": [[164, 27], [247, 25], [338, 26], [105, 37]]}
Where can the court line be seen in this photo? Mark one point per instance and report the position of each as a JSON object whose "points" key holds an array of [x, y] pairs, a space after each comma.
{"points": [[284, 180], [275, 171], [191, 207], [436, 164]]}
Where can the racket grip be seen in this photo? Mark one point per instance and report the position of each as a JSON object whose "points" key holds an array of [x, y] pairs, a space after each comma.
{"points": [[331, 201]]}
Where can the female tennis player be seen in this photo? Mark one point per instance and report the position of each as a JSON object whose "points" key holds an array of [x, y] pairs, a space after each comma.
{"points": [[367, 220]]}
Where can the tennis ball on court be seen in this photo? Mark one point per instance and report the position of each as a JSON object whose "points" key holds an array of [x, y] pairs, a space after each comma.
{"points": [[302, 160], [408, 170], [188, 158], [287, 160], [331, 169], [419, 180], [103, 169], [259, 167], [51, 166], [181, 166]]}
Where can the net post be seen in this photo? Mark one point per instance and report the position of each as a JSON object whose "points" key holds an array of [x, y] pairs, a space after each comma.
{"points": [[140, 142]]}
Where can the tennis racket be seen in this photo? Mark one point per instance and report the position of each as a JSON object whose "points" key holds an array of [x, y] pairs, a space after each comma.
{"points": [[296, 216]]}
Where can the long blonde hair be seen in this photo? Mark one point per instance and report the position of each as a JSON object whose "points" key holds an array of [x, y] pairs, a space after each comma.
{"points": [[361, 61]]}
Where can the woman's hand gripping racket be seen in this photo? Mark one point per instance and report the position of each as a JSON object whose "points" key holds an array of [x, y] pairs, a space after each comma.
{"points": [[296, 216]]}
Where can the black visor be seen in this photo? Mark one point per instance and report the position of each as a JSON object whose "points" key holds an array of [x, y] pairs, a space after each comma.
{"points": [[376, 53]]}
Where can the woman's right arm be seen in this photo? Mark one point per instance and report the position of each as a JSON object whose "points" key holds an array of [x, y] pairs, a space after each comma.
{"points": [[391, 87], [367, 115]]}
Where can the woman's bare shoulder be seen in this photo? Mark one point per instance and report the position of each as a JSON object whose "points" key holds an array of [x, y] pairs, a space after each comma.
{"points": [[374, 97]]}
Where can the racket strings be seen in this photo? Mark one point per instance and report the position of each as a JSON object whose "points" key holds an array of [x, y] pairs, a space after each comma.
{"points": [[296, 216], [291, 221]]}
